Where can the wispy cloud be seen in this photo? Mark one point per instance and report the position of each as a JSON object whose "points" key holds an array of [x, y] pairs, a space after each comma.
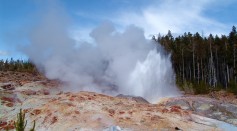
{"points": [[3, 53], [159, 16], [178, 16]]}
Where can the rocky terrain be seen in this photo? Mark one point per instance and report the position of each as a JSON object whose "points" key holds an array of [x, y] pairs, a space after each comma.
{"points": [[52, 109]]}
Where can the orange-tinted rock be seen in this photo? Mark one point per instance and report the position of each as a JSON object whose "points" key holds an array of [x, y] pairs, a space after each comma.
{"points": [[3, 123], [10, 99], [45, 92], [54, 119], [164, 110], [10, 104], [29, 92], [36, 111], [130, 112], [26, 110], [121, 112], [9, 127], [82, 98], [177, 107], [111, 111], [71, 99], [77, 112]]}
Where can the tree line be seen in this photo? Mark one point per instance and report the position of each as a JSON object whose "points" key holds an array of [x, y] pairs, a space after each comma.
{"points": [[203, 63], [17, 65]]}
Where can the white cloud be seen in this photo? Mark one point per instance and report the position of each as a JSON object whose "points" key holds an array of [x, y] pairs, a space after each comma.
{"points": [[178, 16], [159, 16], [3, 53]]}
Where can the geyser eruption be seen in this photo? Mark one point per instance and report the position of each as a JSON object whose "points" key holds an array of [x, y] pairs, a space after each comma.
{"points": [[116, 62], [153, 78]]}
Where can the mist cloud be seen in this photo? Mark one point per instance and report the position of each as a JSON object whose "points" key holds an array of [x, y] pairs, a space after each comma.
{"points": [[116, 62]]}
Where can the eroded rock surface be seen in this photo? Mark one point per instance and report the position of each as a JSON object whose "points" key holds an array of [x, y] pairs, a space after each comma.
{"points": [[207, 107], [53, 109]]}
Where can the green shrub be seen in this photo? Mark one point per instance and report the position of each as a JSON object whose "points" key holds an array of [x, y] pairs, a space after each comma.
{"points": [[187, 87], [194, 88], [20, 123], [232, 87], [201, 88]]}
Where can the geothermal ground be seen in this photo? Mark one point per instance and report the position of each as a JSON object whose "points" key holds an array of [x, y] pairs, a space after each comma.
{"points": [[43, 101]]}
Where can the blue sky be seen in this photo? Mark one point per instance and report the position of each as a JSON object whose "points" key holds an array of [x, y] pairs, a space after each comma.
{"points": [[153, 16]]}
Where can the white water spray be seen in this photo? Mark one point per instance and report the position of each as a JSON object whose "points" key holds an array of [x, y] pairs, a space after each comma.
{"points": [[153, 78]]}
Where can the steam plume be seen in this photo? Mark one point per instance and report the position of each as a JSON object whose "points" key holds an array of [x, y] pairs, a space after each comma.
{"points": [[116, 62]]}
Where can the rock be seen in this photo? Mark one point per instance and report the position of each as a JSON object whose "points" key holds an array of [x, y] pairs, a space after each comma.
{"points": [[54, 120], [3, 123], [44, 91], [201, 106], [111, 112], [29, 92], [232, 121], [178, 129], [8, 87], [230, 108], [36, 112], [183, 104], [8, 99], [9, 104], [138, 99], [210, 108]]}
